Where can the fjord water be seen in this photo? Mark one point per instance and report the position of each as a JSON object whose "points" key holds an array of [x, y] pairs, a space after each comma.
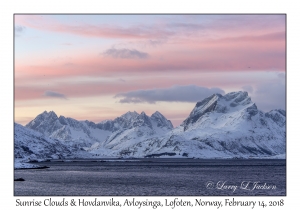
{"points": [[153, 177]]}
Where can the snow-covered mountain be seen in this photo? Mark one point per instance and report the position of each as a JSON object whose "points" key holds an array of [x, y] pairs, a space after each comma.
{"points": [[229, 126], [30, 145], [72, 132], [218, 127], [106, 134]]}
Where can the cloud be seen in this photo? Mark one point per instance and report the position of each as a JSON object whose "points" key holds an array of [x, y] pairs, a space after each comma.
{"points": [[54, 94], [68, 64], [188, 93], [198, 56], [19, 30], [271, 95], [155, 43], [66, 44], [121, 80], [248, 88], [48, 23], [281, 75], [126, 53], [165, 27]]}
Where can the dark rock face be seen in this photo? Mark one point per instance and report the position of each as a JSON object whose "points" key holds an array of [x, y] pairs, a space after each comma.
{"points": [[252, 110], [207, 105], [237, 96], [142, 120], [107, 125], [278, 116], [194, 117]]}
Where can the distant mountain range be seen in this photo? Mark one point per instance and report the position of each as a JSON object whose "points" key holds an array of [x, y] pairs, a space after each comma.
{"points": [[228, 126]]}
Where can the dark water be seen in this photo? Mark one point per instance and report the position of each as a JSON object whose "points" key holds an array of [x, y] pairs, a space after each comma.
{"points": [[154, 177]]}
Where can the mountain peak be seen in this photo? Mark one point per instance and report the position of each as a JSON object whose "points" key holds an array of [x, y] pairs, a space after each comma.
{"points": [[47, 114], [230, 102], [52, 114], [157, 113], [43, 121], [129, 115], [206, 105], [237, 96], [161, 120]]}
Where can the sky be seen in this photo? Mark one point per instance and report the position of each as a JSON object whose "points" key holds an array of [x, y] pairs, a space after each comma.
{"points": [[98, 67]]}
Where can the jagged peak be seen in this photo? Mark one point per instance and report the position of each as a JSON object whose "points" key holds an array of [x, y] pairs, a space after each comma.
{"points": [[48, 114], [206, 105], [103, 121], [52, 113], [143, 115], [62, 120], [278, 116], [276, 112], [281, 111], [232, 101], [161, 120], [218, 94], [236, 95], [157, 113], [130, 115], [253, 106], [45, 115]]}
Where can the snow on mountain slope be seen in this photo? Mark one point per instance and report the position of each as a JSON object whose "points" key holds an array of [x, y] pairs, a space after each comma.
{"points": [[138, 129], [71, 131], [30, 145]]}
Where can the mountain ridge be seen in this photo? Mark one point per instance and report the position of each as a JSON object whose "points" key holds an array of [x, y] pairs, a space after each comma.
{"points": [[219, 126]]}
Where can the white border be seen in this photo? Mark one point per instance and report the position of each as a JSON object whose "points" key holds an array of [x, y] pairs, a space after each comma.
{"points": [[8, 8]]}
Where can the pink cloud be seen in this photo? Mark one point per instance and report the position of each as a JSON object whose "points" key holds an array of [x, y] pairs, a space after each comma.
{"points": [[27, 89], [46, 23], [25, 93], [218, 26], [218, 57], [232, 50], [262, 50]]}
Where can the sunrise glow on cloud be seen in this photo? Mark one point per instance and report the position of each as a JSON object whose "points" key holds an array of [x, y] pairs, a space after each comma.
{"points": [[97, 67]]}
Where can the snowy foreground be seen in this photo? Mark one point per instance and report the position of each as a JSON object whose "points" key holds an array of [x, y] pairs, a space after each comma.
{"points": [[229, 126]]}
